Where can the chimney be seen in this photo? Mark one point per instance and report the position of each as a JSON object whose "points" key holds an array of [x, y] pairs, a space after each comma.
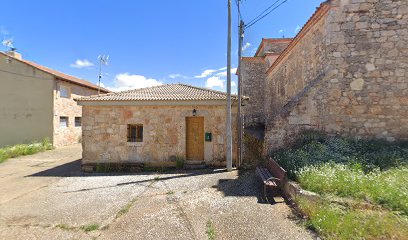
{"points": [[14, 54]]}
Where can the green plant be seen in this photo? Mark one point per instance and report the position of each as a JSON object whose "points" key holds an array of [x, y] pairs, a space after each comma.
{"points": [[334, 221], [64, 226], [314, 148], [210, 230], [24, 149], [90, 227], [388, 188], [253, 151], [179, 162], [103, 167], [125, 209]]}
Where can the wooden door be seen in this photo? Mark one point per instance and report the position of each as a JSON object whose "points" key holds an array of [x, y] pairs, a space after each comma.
{"points": [[195, 138]]}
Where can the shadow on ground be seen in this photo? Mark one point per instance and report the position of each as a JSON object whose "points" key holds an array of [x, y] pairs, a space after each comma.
{"points": [[246, 184]]}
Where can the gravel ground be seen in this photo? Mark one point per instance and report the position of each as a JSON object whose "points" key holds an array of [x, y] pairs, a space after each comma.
{"points": [[45, 196]]}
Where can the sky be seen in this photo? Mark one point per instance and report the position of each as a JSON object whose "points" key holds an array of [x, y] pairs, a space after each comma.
{"points": [[148, 42]]}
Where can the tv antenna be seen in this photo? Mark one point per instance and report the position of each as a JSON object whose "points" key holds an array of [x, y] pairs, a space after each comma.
{"points": [[103, 60], [8, 43]]}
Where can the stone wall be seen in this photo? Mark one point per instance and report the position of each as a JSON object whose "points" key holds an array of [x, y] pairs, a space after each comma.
{"points": [[253, 75], [345, 73], [164, 134], [67, 107]]}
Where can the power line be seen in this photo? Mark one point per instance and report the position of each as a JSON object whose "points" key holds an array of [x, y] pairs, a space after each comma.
{"points": [[263, 11], [260, 16]]}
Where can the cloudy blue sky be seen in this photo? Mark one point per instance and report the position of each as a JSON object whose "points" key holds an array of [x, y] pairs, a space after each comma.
{"points": [[149, 42]]}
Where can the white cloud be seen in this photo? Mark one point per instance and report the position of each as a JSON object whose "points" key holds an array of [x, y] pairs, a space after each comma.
{"points": [[177, 75], [125, 81], [297, 29], [214, 82], [222, 69], [81, 64], [206, 73], [224, 73], [246, 46]]}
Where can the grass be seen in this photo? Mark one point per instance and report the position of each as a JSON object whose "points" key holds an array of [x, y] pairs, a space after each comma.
{"points": [[387, 188], [24, 149], [334, 221], [125, 209], [367, 180], [179, 162], [90, 227], [210, 230], [314, 148], [64, 226]]}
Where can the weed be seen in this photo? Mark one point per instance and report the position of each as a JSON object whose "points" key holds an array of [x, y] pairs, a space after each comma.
{"points": [[386, 188], [24, 149], [170, 192], [336, 222], [157, 178], [64, 226], [179, 162], [90, 227], [313, 148], [125, 209], [210, 230]]}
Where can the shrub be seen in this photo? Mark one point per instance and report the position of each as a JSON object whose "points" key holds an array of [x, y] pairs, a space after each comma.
{"points": [[24, 149], [337, 222], [313, 148], [388, 188]]}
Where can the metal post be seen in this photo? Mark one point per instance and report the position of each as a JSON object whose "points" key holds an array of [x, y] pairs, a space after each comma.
{"points": [[100, 76], [240, 121], [229, 132]]}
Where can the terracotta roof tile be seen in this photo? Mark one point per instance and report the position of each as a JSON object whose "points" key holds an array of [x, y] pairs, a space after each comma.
{"points": [[167, 92], [60, 75]]}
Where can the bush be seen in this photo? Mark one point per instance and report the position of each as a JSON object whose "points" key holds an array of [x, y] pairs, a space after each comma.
{"points": [[388, 188], [313, 148], [24, 149], [334, 221]]}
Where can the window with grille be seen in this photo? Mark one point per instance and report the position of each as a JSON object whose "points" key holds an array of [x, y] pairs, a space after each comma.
{"points": [[135, 133]]}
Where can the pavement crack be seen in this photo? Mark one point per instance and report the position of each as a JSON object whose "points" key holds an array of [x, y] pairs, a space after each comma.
{"points": [[183, 214]]}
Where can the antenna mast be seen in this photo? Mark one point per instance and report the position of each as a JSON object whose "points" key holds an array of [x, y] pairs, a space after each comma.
{"points": [[102, 60]]}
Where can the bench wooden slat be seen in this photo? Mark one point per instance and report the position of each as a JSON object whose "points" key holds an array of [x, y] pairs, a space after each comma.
{"points": [[273, 175]]}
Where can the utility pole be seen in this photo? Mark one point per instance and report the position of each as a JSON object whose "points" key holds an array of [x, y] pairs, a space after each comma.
{"points": [[239, 117], [229, 131]]}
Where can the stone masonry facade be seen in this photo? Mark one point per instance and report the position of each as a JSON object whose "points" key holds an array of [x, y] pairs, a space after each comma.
{"points": [[67, 107], [344, 73], [164, 134]]}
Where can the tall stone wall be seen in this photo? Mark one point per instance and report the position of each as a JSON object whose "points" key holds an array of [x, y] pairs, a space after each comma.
{"points": [[164, 134], [347, 74], [253, 75]]}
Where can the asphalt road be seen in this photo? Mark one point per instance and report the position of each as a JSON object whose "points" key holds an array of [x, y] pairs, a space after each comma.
{"points": [[45, 196]]}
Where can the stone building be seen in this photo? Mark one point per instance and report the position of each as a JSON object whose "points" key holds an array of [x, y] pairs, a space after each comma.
{"points": [[37, 102], [156, 126], [344, 73]]}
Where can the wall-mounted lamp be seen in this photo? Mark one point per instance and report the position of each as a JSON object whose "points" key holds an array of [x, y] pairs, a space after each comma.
{"points": [[194, 112]]}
